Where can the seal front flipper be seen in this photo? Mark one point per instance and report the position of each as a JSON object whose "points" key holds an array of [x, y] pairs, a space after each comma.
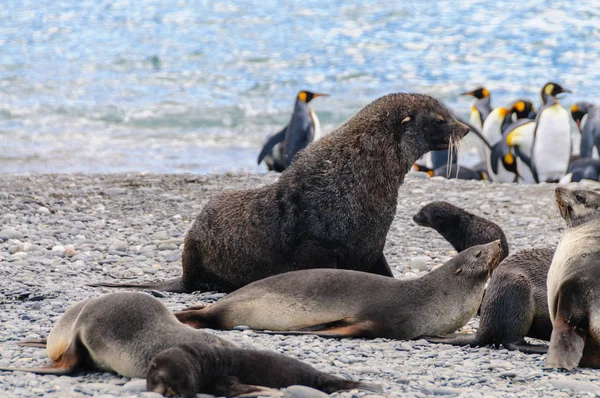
{"points": [[173, 285], [566, 345], [459, 339], [274, 140], [529, 348], [381, 267]]}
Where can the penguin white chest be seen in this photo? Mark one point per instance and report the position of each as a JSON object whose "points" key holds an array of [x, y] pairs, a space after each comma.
{"points": [[552, 145]]}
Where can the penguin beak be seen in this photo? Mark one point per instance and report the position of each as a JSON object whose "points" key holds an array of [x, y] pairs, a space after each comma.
{"points": [[578, 123], [315, 95], [468, 93]]}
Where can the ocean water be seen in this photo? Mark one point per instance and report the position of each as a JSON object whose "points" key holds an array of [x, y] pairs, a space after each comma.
{"points": [[194, 86]]}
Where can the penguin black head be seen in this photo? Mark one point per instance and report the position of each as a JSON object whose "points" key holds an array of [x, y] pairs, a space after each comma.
{"points": [[578, 111], [522, 109], [307, 96], [479, 93], [551, 90]]}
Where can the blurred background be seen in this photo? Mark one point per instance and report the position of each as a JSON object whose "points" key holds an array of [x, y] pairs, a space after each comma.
{"points": [[195, 86]]}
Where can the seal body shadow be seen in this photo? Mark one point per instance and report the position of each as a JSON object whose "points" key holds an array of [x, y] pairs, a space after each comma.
{"points": [[331, 209], [344, 303], [514, 305]]}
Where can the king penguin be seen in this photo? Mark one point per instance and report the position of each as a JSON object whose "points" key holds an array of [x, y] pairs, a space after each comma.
{"points": [[280, 149], [519, 137], [480, 110], [551, 148], [590, 132], [493, 126]]}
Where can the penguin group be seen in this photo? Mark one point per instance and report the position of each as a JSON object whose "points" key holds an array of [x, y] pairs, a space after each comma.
{"points": [[521, 145]]}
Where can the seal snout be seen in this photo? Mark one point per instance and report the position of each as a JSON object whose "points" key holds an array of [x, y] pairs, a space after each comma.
{"points": [[494, 253], [419, 219]]}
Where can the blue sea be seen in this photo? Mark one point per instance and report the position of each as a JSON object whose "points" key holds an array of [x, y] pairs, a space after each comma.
{"points": [[194, 86]]}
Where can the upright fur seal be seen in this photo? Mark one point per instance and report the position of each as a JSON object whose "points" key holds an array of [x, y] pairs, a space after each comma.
{"points": [[331, 209], [514, 305], [343, 303], [573, 283], [135, 335], [459, 227]]}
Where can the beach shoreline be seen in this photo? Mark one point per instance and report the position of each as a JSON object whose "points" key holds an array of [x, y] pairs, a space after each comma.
{"points": [[61, 231]]}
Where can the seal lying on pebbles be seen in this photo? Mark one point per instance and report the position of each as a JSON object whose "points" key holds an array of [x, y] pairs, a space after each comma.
{"points": [[331, 209], [514, 305], [192, 368], [343, 303], [459, 227], [135, 335], [573, 289]]}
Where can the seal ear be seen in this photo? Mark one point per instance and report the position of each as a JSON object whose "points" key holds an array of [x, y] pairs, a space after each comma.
{"points": [[406, 120]]}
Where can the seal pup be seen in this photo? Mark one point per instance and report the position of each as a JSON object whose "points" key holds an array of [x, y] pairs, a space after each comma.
{"points": [[514, 305], [459, 227], [343, 303], [188, 369], [573, 291], [135, 335], [279, 149], [331, 209]]}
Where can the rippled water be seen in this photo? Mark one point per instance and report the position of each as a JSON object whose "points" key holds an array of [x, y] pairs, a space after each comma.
{"points": [[194, 86]]}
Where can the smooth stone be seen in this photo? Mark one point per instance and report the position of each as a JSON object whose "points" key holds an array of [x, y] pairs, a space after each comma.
{"points": [[43, 210], [419, 263], [10, 233], [298, 391], [134, 385], [116, 191], [575, 385], [445, 391]]}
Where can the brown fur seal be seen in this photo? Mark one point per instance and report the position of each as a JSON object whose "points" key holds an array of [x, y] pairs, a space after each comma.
{"points": [[331, 209], [135, 335], [514, 305], [343, 303], [573, 283], [459, 227]]}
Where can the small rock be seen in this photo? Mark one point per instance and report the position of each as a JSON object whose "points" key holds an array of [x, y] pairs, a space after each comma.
{"points": [[10, 233], [58, 251], [445, 391], [43, 210], [303, 392], [419, 263], [575, 385], [134, 385], [116, 191]]}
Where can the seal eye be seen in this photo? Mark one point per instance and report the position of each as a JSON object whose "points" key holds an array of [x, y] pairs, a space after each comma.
{"points": [[440, 121], [478, 254], [579, 198]]}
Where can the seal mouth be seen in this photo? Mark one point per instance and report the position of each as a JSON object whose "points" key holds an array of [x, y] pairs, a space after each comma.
{"points": [[494, 255], [418, 219], [561, 196]]}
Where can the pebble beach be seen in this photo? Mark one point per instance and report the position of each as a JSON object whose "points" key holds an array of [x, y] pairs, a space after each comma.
{"points": [[60, 232]]}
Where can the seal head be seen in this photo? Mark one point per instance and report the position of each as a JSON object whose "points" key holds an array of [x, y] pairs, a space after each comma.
{"points": [[577, 206]]}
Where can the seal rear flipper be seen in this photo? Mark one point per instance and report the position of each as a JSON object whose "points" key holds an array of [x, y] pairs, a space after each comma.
{"points": [[231, 387], [173, 285], [197, 317], [68, 363], [42, 343], [566, 345], [527, 348], [459, 339], [273, 140]]}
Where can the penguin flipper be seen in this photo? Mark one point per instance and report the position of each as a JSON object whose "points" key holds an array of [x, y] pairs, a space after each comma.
{"points": [[271, 142], [495, 156]]}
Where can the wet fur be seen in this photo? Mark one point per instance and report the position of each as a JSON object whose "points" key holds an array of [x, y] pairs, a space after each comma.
{"points": [[331, 209], [343, 303]]}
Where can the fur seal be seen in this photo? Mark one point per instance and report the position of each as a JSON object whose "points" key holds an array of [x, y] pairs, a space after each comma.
{"points": [[514, 305], [573, 290], [344, 303], [331, 209], [459, 227], [135, 335], [192, 368]]}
